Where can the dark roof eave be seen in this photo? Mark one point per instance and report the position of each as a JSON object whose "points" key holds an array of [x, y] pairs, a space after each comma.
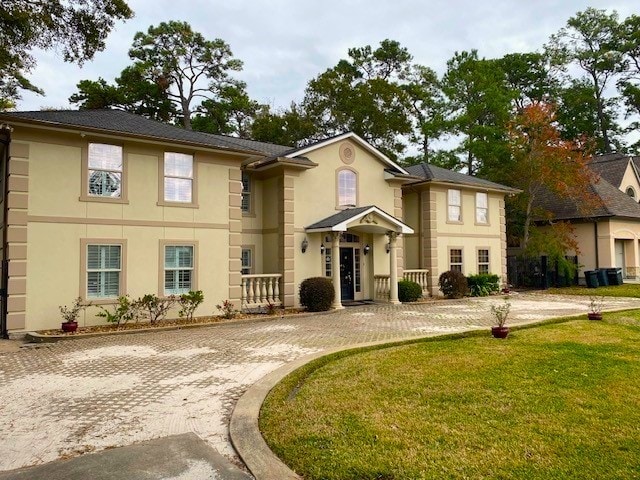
{"points": [[476, 186], [301, 164], [117, 133]]}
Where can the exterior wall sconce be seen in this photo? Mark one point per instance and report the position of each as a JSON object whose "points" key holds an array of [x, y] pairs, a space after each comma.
{"points": [[388, 247], [304, 245], [322, 248], [366, 249]]}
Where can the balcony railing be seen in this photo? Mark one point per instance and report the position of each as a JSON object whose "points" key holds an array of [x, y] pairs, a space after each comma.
{"points": [[261, 290], [382, 283]]}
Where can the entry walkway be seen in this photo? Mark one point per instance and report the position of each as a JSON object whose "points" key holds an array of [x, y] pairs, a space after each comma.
{"points": [[75, 397]]}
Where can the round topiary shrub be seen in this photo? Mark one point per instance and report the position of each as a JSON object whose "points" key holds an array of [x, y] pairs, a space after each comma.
{"points": [[409, 291], [316, 294], [453, 284]]}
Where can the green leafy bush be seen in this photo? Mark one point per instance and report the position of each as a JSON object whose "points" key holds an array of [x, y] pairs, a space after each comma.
{"points": [[316, 294], [189, 302], [227, 309], [453, 284], [155, 308], [483, 284], [409, 291], [123, 311]]}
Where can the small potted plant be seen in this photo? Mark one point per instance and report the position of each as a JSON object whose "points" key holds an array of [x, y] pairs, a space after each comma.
{"points": [[501, 312], [595, 307], [70, 315]]}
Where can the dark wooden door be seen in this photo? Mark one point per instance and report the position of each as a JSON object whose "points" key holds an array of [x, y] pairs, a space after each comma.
{"points": [[346, 274]]}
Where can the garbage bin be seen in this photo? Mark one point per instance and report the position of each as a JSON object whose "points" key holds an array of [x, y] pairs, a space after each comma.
{"points": [[602, 277], [614, 275], [591, 278]]}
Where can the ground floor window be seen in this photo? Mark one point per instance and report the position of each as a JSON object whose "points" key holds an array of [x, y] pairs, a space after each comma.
{"points": [[455, 260], [483, 260], [247, 261], [178, 269], [104, 269], [327, 262]]}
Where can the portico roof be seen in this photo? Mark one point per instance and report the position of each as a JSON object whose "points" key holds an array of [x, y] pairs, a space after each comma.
{"points": [[369, 217]]}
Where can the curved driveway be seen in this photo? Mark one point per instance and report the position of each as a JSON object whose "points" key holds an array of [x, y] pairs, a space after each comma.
{"points": [[75, 397]]}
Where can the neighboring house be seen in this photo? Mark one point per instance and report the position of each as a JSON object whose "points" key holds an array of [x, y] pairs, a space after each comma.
{"points": [[103, 203], [608, 235]]}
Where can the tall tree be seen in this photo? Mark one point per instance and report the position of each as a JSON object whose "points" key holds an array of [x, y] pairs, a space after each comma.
{"points": [[529, 76], [546, 163], [590, 41], [629, 84], [479, 103], [184, 63], [290, 127], [78, 28], [364, 94]]}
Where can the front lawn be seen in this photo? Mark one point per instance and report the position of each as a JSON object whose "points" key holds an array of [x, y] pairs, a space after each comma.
{"points": [[624, 290], [555, 401]]}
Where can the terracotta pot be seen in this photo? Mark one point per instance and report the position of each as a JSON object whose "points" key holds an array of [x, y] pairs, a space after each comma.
{"points": [[69, 327], [594, 316], [500, 332]]}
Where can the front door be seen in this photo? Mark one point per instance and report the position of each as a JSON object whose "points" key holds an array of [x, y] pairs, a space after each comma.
{"points": [[346, 273], [619, 247]]}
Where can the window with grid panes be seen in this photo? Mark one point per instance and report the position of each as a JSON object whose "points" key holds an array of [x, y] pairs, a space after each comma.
{"points": [[178, 177], [105, 170], [483, 260], [104, 268], [178, 269], [247, 261], [482, 208], [347, 188], [246, 193], [455, 259], [454, 206]]}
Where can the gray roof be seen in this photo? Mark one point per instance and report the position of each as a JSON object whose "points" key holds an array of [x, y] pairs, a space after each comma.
{"points": [[612, 203], [433, 173], [611, 167], [339, 217], [119, 122]]}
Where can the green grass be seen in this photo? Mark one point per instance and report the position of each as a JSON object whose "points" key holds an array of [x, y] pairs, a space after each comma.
{"points": [[556, 401], [624, 290]]}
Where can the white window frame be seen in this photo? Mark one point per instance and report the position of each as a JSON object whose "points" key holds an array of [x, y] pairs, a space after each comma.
{"points": [[343, 189], [176, 290], [103, 269], [246, 193], [456, 264], [246, 266], [105, 172], [486, 264], [168, 177], [454, 205], [480, 209]]}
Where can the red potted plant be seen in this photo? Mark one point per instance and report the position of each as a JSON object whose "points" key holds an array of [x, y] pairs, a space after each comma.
{"points": [[70, 315], [595, 308], [501, 312]]}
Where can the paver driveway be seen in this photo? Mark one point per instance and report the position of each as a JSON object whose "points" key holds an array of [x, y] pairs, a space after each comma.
{"points": [[79, 396]]}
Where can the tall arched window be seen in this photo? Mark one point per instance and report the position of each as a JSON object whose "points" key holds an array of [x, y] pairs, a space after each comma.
{"points": [[347, 188]]}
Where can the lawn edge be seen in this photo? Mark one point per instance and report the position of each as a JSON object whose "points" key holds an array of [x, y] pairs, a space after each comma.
{"points": [[244, 427]]}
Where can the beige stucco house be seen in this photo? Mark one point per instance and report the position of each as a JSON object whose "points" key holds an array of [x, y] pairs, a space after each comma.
{"points": [[609, 235], [104, 203]]}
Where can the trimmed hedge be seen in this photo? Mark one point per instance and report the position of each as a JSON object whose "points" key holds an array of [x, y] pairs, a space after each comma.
{"points": [[409, 291], [483, 284], [453, 284], [317, 294]]}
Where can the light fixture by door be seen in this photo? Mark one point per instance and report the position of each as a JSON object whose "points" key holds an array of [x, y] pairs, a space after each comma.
{"points": [[304, 245], [322, 249], [366, 249], [388, 247]]}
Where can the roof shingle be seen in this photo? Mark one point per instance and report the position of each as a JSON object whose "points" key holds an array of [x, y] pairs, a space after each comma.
{"points": [[434, 173]]}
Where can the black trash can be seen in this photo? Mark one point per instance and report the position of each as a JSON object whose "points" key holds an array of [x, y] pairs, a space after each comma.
{"points": [[591, 278], [602, 277], [614, 275]]}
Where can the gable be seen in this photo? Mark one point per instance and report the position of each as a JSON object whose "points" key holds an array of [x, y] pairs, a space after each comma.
{"points": [[630, 181]]}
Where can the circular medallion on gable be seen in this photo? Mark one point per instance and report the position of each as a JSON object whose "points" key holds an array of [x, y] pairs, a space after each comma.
{"points": [[347, 153]]}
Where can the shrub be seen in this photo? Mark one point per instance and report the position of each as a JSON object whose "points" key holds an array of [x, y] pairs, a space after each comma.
{"points": [[483, 284], [71, 314], [189, 302], [316, 294], [156, 308], [453, 284], [227, 309], [124, 311], [409, 291]]}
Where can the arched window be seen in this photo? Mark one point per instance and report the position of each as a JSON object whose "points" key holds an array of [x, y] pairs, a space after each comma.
{"points": [[631, 192], [347, 188]]}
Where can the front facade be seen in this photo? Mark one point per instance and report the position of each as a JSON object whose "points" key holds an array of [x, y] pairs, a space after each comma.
{"points": [[99, 204]]}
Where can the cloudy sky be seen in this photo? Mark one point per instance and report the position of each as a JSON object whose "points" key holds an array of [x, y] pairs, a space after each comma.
{"points": [[285, 43]]}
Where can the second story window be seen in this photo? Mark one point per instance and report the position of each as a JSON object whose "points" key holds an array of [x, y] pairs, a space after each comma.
{"points": [[347, 188], [246, 193], [178, 177], [454, 206], [105, 170], [482, 208]]}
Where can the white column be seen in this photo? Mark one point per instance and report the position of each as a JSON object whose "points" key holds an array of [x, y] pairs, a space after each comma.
{"points": [[335, 271], [393, 268]]}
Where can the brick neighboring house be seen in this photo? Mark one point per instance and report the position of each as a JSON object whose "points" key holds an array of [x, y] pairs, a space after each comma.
{"points": [[102, 203]]}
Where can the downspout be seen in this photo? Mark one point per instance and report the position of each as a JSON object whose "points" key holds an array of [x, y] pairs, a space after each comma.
{"points": [[595, 234], [5, 140]]}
